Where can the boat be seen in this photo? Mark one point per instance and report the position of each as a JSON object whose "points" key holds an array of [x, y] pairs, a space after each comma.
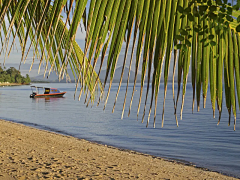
{"points": [[47, 92]]}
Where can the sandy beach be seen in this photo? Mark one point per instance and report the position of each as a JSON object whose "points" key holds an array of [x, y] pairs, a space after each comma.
{"points": [[29, 153]]}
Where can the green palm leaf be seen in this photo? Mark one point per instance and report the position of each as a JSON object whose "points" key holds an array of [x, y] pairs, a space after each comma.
{"points": [[200, 44], [48, 35]]}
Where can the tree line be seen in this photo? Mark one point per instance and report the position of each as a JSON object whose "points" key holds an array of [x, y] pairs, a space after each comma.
{"points": [[13, 75]]}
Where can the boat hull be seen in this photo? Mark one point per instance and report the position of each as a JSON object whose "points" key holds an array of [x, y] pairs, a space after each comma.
{"points": [[47, 95]]}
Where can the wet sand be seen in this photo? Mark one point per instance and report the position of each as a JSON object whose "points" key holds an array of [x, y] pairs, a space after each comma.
{"points": [[29, 153]]}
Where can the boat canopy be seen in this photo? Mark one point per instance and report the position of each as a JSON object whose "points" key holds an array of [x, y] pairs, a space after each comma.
{"points": [[47, 90]]}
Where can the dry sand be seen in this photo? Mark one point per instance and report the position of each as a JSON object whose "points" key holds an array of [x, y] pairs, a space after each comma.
{"points": [[28, 153]]}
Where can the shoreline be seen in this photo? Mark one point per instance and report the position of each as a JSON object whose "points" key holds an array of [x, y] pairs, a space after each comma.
{"points": [[12, 84], [30, 153]]}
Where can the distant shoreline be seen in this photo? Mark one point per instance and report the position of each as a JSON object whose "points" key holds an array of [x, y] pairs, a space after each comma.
{"points": [[12, 84]]}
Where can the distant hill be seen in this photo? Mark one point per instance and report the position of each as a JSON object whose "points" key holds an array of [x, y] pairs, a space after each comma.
{"points": [[54, 78], [51, 78], [117, 75]]}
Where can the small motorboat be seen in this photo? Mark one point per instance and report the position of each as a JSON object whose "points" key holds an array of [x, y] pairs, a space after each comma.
{"points": [[47, 92]]}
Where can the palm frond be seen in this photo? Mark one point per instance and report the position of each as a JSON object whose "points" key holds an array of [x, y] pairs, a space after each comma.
{"points": [[52, 42], [197, 31]]}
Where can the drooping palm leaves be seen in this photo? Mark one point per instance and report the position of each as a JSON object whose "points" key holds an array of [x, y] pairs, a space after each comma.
{"points": [[40, 22], [197, 30], [197, 34]]}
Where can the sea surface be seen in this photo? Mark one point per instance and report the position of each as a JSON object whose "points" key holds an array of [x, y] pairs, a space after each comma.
{"points": [[198, 140]]}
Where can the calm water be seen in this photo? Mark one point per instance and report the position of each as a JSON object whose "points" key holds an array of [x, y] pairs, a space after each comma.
{"points": [[197, 140]]}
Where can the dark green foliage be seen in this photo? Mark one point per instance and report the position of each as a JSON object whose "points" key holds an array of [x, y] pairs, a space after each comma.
{"points": [[12, 75]]}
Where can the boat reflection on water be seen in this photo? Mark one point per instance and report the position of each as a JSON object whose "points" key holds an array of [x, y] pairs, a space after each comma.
{"points": [[47, 99]]}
